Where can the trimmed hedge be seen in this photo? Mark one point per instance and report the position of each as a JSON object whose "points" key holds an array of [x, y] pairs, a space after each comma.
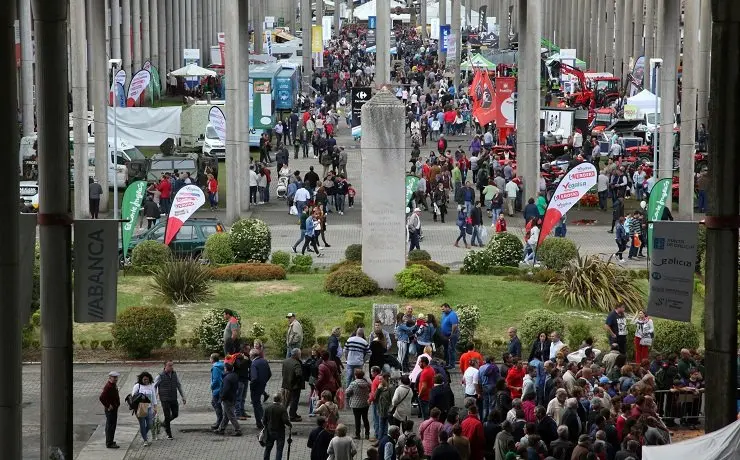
{"points": [[301, 264], [578, 331], [281, 258], [350, 283], [251, 240], [218, 249], [353, 252], [351, 319], [556, 253], [419, 254], [344, 265], [536, 321], [139, 330], [506, 249], [248, 272], [419, 281], [150, 254], [431, 265], [672, 336]]}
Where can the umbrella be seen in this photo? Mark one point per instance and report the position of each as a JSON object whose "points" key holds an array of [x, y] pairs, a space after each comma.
{"points": [[192, 70]]}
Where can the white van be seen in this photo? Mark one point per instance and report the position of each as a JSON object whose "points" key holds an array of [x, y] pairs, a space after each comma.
{"points": [[212, 145]]}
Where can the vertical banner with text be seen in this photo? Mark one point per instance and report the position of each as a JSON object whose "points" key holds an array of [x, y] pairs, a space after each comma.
{"points": [[186, 202], [577, 181], [504, 100], [130, 208], [218, 120], [96, 270], [672, 266], [482, 17], [444, 34], [139, 82], [317, 46], [659, 195], [360, 95], [222, 47]]}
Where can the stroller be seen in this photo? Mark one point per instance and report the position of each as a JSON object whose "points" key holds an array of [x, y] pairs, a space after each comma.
{"points": [[282, 186]]}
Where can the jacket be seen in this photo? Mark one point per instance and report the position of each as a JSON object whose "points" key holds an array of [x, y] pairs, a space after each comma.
{"points": [[472, 428], [168, 386], [151, 209], [327, 379], [217, 377], [259, 373], [357, 351], [530, 212], [358, 393], [403, 332], [332, 346], [440, 398], [294, 336], [293, 375], [425, 335], [504, 442], [229, 387], [542, 347], [275, 420], [402, 402], [109, 396]]}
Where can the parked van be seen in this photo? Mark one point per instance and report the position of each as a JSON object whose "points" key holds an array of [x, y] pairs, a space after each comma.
{"points": [[212, 145]]}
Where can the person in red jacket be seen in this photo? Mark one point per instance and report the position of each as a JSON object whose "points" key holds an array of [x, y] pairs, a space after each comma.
{"points": [[111, 401], [165, 189], [515, 380], [472, 428], [328, 378]]}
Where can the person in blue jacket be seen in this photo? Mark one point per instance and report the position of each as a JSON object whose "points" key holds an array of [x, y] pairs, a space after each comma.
{"points": [[217, 378], [259, 375], [404, 333]]}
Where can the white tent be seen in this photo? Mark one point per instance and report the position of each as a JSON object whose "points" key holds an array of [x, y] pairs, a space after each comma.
{"points": [[365, 10], [645, 101], [433, 12], [723, 444], [192, 70]]}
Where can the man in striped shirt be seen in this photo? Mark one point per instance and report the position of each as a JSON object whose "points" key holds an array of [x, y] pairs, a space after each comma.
{"points": [[357, 351]]}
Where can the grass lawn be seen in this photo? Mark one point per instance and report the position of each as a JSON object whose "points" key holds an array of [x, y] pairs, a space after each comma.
{"points": [[502, 303]]}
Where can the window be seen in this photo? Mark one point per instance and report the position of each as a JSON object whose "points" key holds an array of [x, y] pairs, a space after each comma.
{"points": [[158, 234], [183, 165], [208, 230], [185, 233]]}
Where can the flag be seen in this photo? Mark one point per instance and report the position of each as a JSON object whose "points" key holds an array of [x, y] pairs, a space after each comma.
{"points": [[659, 194], [579, 180], [218, 120], [130, 208], [504, 102], [186, 202], [139, 82], [486, 112], [119, 79], [476, 91]]}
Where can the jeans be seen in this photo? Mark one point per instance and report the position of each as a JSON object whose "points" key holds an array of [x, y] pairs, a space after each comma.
{"points": [[361, 413], [495, 212], [376, 420], [241, 396], [145, 424], [228, 408], [111, 421], [299, 205], [252, 194], [351, 372], [290, 400], [488, 399], [165, 204], [424, 409], [212, 200], [171, 410], [216, 404], [339, 202], [414, 241], [468, 207], [450, 352], [300, 239], [476, 235], [602, 200], [256, 397], [463, 235], [633, 251], [403, 351], [701, 202], [269, 442]]}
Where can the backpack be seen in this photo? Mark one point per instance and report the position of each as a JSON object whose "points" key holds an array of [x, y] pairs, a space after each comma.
{"points": [[411, 448], [441, 144]]}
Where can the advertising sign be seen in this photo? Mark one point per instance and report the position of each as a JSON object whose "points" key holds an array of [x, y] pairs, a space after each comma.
{"points": [[451, 47], [371, 38], [218, 120], [672, 267], [411, 183], [579, 180], [505, 108], [434, 28], [317, 44], [659, 195], [484, 108], [444, 33], [186, 202], [222, 47], [326, 23], [262, 104], [482, 17], [371, 21], [386, 315], [284, 91], [139, 82], [631, 112], [130, 209], [360, 95], [96, 270], [120, 78]]}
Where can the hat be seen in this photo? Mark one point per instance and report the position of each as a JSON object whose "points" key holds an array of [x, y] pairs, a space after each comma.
{"points": [[417, 210], [114, 374], [290, 315], [604, 379]]}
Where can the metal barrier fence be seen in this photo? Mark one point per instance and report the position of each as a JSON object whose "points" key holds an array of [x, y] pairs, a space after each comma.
{"points": [[684, 407]]}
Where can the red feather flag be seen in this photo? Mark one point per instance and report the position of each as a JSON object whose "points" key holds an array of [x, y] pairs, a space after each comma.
{"points": [[486, 110], [475, 91]]}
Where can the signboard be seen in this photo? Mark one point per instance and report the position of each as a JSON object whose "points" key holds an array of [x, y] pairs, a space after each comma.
{"points": [[672, 267], [386, 314], [451, 47], [579, 180], [284, 91], [139, 82], [360, 95], [186, 202], [120, 78], [191, 56], [484, 107], [218, 120], [317, 45], [281, 22], [326, 23], [505, 103], [222, 47], [130, 208], [269, 22], [659, 196], [631, 112], [434, 28], [261, 104], [411, 183], [482, 17], [96, 270], [444, 33], [371, 22], [262, 86], [370, 38]]}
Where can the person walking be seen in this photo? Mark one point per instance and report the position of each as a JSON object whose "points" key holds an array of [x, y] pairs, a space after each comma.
{"points": [[462, 224], [111, 401], [95, 192], [358, 395], [413, 224], [274, 421], [242, 365], [217, 377], [621, 238], [147, 409], [294, 336], [341, 446], [357, 350], [293, 383], [259, 375], [168, 386], [227, 397]]}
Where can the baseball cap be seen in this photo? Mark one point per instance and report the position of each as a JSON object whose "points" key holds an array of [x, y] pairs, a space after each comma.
{"points": [[604, 379], [290, 315], [114, 374]]}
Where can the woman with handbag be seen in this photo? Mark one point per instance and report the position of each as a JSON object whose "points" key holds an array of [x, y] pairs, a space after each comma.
{"points": [[401, 402], [146, 408], [644, 335], [462, 225]]}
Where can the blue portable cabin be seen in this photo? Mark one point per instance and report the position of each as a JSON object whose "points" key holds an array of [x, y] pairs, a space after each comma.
{"points": [[287, 88]]}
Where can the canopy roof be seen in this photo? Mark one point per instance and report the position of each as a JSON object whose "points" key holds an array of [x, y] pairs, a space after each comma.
{"points": [[477, 61], [365, 10], [192, 70], [645, 101]]}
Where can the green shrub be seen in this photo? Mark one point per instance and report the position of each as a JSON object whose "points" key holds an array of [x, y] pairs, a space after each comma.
{"points": [[107, 344], [545, 276], [701, 250], [478, 263], [631, 328], [350, 283], [353, 253], [281, 258], [672, 336], [150, 254], [345, 264], [591, 283], [469, 318], [36, 296], [94, 344], [250, 240], [506, 249], [182, 281], [419, 281], [556, 253], [419, 254], [210, 331], [301, 264], [578, 331], [277, 333], [139, 330], [218, 249], [248, 272], [431, 265], [537, 321], [498, 270], [352, 319]]}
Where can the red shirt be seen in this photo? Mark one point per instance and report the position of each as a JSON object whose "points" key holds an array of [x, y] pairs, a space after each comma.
{"points": [[472, 428], [515, 380], [212, 186], [466, 357], [426, 377], [165, 188]]}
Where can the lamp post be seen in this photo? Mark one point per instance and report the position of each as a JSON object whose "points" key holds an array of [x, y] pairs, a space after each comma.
{"points": [[115, 64]]}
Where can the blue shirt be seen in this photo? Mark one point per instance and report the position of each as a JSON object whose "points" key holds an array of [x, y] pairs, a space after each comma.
{"points": [[515, 347], [448, 320], [540, 379]]}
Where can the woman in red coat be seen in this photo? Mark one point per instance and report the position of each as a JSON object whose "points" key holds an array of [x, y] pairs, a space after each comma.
{"points": [[328, 375]]}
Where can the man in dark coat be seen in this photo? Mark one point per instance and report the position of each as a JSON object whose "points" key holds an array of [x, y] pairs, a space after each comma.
{"points": [[275, 420], [168, 385], [318, 440], [571, 420], [228, 400], [111, 401], [293, 383], [259, 375]]}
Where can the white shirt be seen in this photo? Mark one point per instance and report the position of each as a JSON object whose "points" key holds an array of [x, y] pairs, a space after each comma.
{"points": [[147, 390], [253, 179], [555, 348], [302, 195], [577, 140], [470, 379], [511, 189], [602, 183]]}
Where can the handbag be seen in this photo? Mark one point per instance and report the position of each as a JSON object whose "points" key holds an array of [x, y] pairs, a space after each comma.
{"points": [[647, 339], [392, 410], [142, 410], [636, 240], [340, 398]]}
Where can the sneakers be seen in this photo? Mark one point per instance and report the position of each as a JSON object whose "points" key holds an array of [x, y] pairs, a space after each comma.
{"points": [[147, 443], [169, 437]]}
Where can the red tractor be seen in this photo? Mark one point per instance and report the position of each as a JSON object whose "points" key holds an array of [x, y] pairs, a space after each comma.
{"points": [[597, 91]]}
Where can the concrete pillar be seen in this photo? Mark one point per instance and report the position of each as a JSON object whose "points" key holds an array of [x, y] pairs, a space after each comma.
{"points": [[115, 29], [161, 44], [336, 18], [467, 13], [528, 109], [442, 21], [26, 68], [199, 30], [627, 38], [592, 43], [503, 39], [455, 28], [180, 34], [11, 394], [233, 119], [98, 69], [55, 235], [258, 22], [671, 13], [609, 42], [243, 107], [720, 314], [659, 28], [126, 38], [136, 32], [639, 15], [79, 100], [579, 25], [188, 11], [383, 165], [515, 18], [210, 36], [382, 40], [146, 31], [320, 12], [705, 46], [690, 69], [619, 32], [649, 42], [170, 36], [306, 37]]}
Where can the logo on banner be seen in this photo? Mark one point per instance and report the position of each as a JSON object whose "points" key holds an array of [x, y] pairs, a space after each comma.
{"points": [[574, 185], [186, 202], [360, 95], [139, 82], [317, 43], [131, 207], [96, 270], [484, 109], [218, 120], [656, 205], [444, 35], [505, 100]]}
